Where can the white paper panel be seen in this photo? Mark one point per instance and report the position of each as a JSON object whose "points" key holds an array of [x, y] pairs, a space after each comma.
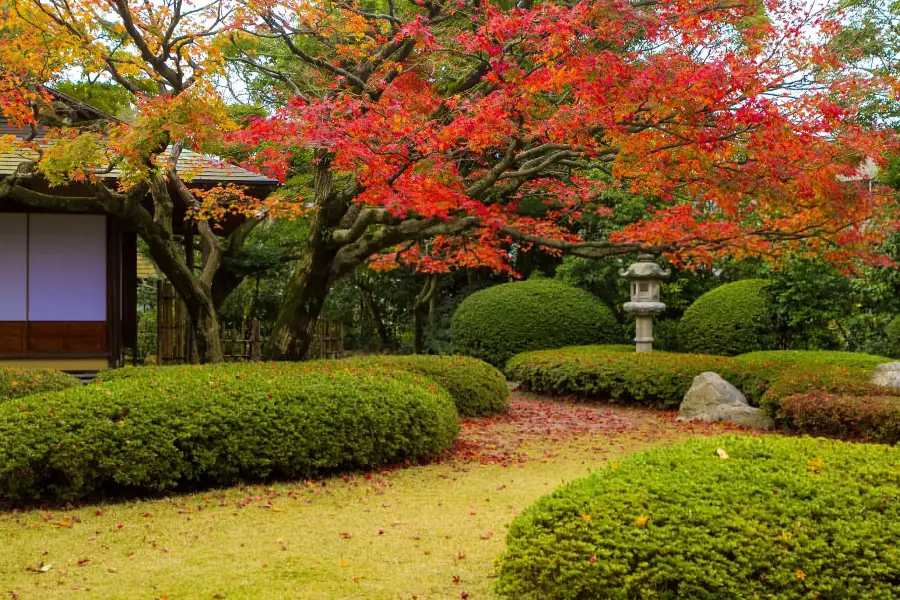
{"points": [[13, 266], [67, 268]]}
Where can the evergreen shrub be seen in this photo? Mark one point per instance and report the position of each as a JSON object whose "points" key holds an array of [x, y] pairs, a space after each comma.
{"points": [[728, 320], [500, 321], [218, 425], [477, 388], [18, 383], [717, 519]]}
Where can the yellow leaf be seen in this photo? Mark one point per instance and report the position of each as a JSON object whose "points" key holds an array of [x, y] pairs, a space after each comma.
{"points": [[722, 454]]}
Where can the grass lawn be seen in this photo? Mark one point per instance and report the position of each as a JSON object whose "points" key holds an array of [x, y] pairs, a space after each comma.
{"points": [[425, 532]]}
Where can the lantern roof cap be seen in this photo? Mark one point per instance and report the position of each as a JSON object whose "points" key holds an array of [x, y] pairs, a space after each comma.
{"points": [[645, 268]]}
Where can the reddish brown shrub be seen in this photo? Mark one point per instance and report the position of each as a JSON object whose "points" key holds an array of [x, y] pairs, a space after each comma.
{"points": [[874, 418]]}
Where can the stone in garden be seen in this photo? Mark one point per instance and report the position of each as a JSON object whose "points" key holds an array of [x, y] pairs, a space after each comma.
{"points": [[886, 375], [713, 399]]}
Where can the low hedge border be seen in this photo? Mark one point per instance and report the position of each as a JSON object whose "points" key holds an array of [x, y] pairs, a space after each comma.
{"points": [[870, 418], [216, 426], [792, 518], [852, 360], [477, 388], [661, 379], [656, 379], [18, 383]]}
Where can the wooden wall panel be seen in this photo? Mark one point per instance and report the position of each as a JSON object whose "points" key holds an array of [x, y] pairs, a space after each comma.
{"points": [[13, 336], [86, 338], [53, 338], [47, 337]]}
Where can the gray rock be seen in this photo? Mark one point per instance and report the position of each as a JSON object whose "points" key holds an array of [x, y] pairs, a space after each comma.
{"points": [[713, 399], [886, 375]]}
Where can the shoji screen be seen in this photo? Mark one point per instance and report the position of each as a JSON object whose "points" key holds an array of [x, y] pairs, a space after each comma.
{"points": [[13, 267], [67, 268]]}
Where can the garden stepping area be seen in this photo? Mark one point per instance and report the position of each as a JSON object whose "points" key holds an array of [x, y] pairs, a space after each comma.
{"points": [[407, 532]]}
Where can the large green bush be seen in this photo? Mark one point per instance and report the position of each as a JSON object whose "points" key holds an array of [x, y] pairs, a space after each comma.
{"points": [[507, 319], [477, 388], [728, 320], [18, 383], [218, 425], [770, 517]]}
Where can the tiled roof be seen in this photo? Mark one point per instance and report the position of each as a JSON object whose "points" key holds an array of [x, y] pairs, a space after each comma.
{"points": [[200, 168]]}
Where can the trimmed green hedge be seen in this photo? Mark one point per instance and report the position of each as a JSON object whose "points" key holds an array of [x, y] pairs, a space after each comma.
{"points": [[217, 425], [18, 383], [728, 320], [661, 378], [654, 378], [854, 360], [503, 320], [786, 518], [477, 388]]}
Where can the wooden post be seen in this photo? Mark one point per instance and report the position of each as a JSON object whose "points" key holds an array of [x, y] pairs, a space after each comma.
{"points": [[165, 340], [255, 341], [180, 354]]}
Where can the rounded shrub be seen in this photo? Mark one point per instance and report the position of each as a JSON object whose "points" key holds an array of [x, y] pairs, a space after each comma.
{"points": [[215, 426], [717, 518], [477, 388], [728, 320], [18, 383], [503, 320]]}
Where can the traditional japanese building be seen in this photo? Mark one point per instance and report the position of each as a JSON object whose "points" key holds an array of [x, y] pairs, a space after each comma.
{"points": [[68, 281]]}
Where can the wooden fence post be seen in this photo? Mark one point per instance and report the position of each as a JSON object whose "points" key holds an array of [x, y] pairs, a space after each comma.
{"points": [[255, 341], [165, 297]]}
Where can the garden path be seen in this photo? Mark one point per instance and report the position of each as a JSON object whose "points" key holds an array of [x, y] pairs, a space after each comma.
{"points": [[416, 532]]}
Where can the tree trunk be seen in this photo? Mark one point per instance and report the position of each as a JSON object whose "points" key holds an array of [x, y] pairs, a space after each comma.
{"points": [[421, 311], [195, 293], [314, 273], [197, 298], [304, 297]]}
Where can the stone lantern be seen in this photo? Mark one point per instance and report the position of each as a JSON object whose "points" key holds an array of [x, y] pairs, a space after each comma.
{"points": [[644, 277]]}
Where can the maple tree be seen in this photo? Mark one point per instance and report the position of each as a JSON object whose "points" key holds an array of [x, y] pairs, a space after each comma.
{"points": [[431, 122], [426, 125]]}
